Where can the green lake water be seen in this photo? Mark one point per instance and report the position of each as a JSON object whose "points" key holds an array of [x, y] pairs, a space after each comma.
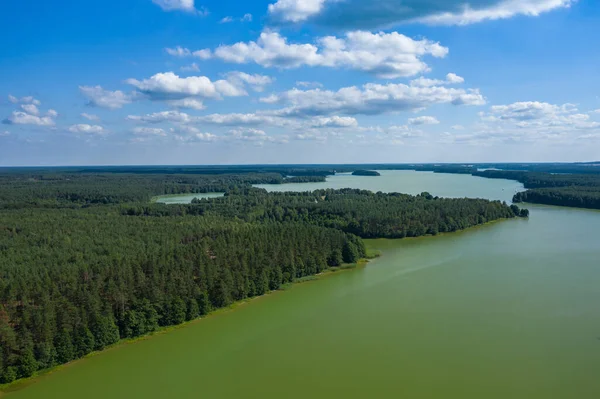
{"points": [[509, 310]]}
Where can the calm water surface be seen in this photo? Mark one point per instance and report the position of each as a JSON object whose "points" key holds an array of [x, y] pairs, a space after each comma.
{"points": [[508, 310], [185, 198]]}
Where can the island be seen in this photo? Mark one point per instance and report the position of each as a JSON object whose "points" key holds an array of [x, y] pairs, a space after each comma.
{"points": [[366, 173]]}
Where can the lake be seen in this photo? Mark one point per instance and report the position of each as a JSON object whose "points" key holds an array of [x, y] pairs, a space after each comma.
{"points": [[184, 198], [506, 310]]}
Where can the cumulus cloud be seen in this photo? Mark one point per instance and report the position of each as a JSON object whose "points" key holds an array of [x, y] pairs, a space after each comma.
{"points": [[237, 119], [501, 10], [334, 121], [257, 136], [85, 128], [256, 82], [228, 19], [90, 117], [164, 116], [190, 103], [451, 79], [372, 99], [193, 67], [270, 99], [148, 131], [31, 109], [99, 97], [385, 55], [309, 85], [24, 100], [168, 85], [180, 5], [295, 10], [31, 116], [423, 120], [531, 121], [367, 14], [178, 52]]}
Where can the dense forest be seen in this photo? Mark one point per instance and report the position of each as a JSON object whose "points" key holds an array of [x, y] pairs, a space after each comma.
{"points": [[574, 190], [86, 259], [366, 173]]}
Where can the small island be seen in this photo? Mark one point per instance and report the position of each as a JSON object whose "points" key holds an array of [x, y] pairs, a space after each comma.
{"points": [[365, 173]]}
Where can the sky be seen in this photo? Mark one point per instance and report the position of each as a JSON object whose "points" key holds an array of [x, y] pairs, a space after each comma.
{"points": [[298, 81]]}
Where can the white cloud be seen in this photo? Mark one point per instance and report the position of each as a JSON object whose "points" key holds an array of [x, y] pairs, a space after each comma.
{"points": [[309, 85], [270, 99], [164, 116], [193, 67], [179, 5], [31, 109], [90, 117], [502, 10], [186, 133], [85, 128], [372, 99], [256, 82], [178, 52], [204, 54], [25, 118], [100, 97], [529, 111], [228, 19], [451, 79], [4, 133], [368, 14], [334, 121], [295, 10], [148, 131], [311, 136], [458, 127], [257, 136], [204, 137], [385, 55], [190, 103], [530, 121], [235, 119], [423, 120], [23, 100], [164, 86]]}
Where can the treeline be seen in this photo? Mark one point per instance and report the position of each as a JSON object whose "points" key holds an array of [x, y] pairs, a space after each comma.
{"points": [[75, 190], [363, 213], [366, 173], [573, 190], [577, 197], [75, 281]]}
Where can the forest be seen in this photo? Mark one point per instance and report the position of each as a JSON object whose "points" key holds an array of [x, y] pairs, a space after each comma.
{"points": [[366, 173], [573, 190], [86, 259]]}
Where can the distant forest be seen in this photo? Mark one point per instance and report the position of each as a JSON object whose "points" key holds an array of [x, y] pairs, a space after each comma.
{"points": [[86, 259]]}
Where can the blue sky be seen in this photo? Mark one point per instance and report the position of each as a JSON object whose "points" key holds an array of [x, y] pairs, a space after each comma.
{"points": [[298, 81]]}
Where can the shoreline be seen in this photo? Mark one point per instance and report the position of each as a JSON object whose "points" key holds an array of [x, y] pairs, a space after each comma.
{"points": [[6, 389]]}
